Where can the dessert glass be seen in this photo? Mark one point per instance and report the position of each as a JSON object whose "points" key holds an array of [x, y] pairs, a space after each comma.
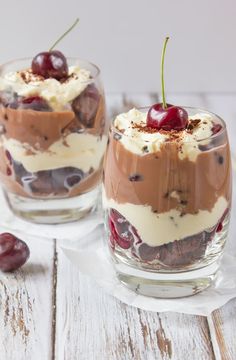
{"points": [[167, 209], [53, 136]]}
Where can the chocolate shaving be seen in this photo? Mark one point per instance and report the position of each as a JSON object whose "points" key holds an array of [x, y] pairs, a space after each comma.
{"points": [[193, 124], [28, 76], [135, 177], [145, 149]]}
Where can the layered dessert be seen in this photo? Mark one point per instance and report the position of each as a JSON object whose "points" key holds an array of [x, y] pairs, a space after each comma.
{"points": [[167, 187], [52, 127]]}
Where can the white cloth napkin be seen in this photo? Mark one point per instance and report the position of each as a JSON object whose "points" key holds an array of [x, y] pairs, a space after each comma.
{"points": [[83, 243]]}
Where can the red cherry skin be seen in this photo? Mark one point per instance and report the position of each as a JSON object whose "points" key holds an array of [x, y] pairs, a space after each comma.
{"points": [[7, 243], [50, 64], [216, 128], [35, 103], [13, 252], [170, 118]]}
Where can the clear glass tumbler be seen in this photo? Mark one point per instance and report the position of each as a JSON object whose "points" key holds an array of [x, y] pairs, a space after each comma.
{"points": [[53, 135], [167, 212]]}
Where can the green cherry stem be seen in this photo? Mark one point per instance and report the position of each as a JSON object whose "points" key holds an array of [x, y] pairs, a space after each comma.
{"points": [[63, 35], [162, 73]]}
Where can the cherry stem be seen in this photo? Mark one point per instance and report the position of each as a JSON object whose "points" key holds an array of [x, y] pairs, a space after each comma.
{"points": [[162, 73], [63, 35]]}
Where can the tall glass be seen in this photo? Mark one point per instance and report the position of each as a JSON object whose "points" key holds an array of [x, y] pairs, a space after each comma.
{"points": [[51, 153], [167, 214]]}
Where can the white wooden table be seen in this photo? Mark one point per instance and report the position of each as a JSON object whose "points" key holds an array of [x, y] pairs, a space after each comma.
{"points": [[48, 310]]}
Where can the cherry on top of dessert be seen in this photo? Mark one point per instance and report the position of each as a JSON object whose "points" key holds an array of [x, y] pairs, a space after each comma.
{"points": [[165, 116], [52, 63], [169, 118]]}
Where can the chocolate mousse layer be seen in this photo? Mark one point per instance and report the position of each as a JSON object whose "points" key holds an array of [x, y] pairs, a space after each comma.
{"points": [[164, 181], [41, 129]]}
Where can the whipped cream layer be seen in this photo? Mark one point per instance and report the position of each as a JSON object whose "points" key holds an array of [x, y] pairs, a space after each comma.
{"points": [[135, 137], [58, 94], [82, 151], [159, 229]]}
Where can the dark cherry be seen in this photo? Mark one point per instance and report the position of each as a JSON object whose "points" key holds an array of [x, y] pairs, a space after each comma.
{"points": [[169, 118], [50, 64], [9, 99], [9, 172], [35, 103], [219, 227], [122, 232], [216, 128], [86, 104], [13, 252], [58, 181]]}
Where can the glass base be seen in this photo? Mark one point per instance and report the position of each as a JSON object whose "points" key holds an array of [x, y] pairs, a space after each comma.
{"points": [[167, 285], [53, 211]]}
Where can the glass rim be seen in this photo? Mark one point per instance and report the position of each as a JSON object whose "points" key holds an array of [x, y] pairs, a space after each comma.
{"points": [[222, 131], [69, 58]]}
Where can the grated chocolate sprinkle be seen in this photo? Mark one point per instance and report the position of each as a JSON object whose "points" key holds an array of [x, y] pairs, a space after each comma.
{"points": [[135, 177], [192, 124]]}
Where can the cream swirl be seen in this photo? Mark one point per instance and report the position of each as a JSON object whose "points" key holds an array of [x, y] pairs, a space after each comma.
{"points": [[58, 94], [137, 138]]}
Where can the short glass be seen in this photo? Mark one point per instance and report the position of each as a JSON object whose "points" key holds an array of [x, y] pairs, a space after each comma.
{"points": [[167, 215], [51, 156]]}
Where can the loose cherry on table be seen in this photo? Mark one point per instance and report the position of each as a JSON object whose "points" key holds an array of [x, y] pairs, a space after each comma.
{"points": [[165, 116], [13, 252]]}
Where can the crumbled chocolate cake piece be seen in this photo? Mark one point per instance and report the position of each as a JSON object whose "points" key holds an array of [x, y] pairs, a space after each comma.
{"points": [[193, 124], [117, 136], [220, 159], [204, 147], [85, 105], [135, 177], [145, 149]]}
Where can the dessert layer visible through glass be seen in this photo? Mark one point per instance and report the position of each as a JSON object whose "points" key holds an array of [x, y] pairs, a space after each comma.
{"points": [[167, 197], [52, 140]]}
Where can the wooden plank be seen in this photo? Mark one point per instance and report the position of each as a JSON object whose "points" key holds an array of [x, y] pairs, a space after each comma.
{"points": [[223, 331], [26, 306], [93, 325]]}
